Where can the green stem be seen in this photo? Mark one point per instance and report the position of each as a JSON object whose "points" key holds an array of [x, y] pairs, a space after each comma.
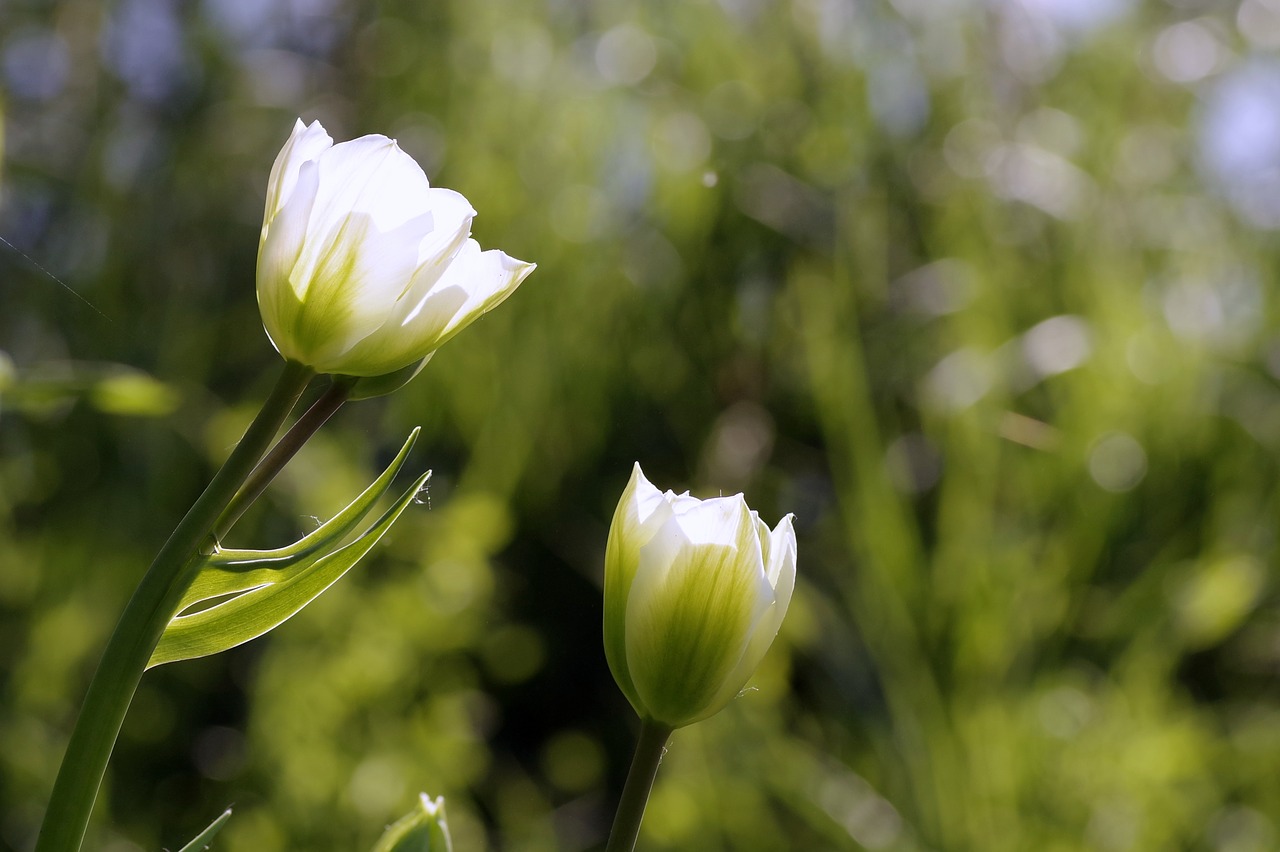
{"points": [[286, 448], [142, 623], [635, 793]]}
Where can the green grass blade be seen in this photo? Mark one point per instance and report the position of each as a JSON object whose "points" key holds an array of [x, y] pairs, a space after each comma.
{"points": [[203, 839]]}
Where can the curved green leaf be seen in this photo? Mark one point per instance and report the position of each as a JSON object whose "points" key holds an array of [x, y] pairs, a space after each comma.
{"points": [[227, 572], [270, 586]]}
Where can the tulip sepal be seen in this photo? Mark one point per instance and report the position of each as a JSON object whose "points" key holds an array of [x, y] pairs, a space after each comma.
{"points": [[368, 387]]}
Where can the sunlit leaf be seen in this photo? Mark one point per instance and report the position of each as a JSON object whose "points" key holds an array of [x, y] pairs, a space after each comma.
{"points": [[227, 572], [267, 587]]}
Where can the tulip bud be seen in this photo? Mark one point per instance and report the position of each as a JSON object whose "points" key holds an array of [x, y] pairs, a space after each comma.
{"points": [[694, 593], [363, 267]]}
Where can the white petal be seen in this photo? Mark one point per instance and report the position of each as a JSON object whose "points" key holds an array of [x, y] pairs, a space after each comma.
{"points": [[351, 289], [641, 513], [781, 560], [715, 521], [372, 175], [648, 500], [688, 621], [453, 215], [278, 256], [305, 144], [494, 276], [640, 503], [760, 638], [666, 548], [781, 576], [451, 227], [486, 279], [682, 502], [395, 343]]}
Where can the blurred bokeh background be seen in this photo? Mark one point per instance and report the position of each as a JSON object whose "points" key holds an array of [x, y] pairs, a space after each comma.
{"points": [[982, 290]]}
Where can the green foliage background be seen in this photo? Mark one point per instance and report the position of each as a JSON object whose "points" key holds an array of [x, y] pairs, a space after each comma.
{"points": [[951, 281]]}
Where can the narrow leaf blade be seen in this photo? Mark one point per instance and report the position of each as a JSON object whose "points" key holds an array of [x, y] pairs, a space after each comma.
{"points": [[265, 607], [204, 838], [227, 572]]}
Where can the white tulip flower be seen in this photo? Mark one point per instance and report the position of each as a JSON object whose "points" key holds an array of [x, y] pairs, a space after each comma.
{"points": [[364, 268], [694, 593]]}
